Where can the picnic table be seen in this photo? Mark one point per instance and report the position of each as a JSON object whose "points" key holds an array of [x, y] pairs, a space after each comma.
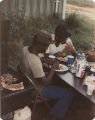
{"points": [[77, 84], [74, 82]]}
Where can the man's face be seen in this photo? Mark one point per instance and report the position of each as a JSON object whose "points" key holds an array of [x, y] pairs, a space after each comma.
{"points": [[43, 48], [60, 40]]}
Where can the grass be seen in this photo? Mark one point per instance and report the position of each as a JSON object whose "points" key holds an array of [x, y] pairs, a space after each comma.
{"points": [[83, 33], [86, 3]]}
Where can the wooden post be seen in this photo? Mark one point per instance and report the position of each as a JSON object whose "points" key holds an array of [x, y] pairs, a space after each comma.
{"points": [[4, 44], [28, 9], [0, 47], [64, 9]]}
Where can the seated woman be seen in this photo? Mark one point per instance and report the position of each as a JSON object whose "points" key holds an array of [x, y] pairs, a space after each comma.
{"points": [[61, 41]]}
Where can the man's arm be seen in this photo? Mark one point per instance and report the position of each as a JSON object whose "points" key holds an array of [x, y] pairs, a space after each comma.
{"points": [[47, 60], [47, 80]]}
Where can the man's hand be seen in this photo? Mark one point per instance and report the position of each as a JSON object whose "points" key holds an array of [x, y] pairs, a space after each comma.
{"points": [[47, 60], [60, 54], [47, 80], [55, 65]]}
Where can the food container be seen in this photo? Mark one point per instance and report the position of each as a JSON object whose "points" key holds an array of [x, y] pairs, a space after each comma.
{"points": [[52, 57], [80, 70], [81, 66]]}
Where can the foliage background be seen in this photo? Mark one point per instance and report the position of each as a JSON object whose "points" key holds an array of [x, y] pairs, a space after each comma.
{"points": [[22, 30], [88, 3]]}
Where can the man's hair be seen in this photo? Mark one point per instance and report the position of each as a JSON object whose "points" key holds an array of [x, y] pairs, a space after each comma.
{"points": [[42, 37], [62, 31]]}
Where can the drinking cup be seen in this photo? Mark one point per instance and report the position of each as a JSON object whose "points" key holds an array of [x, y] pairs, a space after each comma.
{"points": [[70, 60]]}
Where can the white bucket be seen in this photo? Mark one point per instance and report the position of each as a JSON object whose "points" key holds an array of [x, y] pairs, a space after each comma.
{"points": [[23, 114]]}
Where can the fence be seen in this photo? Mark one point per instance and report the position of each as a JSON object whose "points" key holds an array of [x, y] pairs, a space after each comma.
{"points": [[32, 8]]}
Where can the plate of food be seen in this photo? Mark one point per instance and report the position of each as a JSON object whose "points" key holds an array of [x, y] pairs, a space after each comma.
{"points": [[62, 68], [63, 59], [8, 82]]}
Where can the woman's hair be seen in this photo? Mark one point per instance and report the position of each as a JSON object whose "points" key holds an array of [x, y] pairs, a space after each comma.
{"points": [[62, 31]]}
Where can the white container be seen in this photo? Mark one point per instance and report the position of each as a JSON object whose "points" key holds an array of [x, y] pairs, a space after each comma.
{"points": [[23, 114], [80, 69], [52, 57]]}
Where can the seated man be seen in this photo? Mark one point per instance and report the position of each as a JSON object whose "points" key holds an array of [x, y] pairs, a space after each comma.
{"points": [[62, 41], [32, 66]]}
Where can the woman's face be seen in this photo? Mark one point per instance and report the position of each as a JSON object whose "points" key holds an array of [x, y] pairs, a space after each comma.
{"points": [[60, 40]]}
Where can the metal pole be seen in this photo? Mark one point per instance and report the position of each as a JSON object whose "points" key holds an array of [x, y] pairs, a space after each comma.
{"points": [[56, 6], [63, 9]]}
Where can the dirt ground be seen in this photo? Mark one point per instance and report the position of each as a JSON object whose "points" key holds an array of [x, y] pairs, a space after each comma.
{"points": [[85, 11], [77, 111]]}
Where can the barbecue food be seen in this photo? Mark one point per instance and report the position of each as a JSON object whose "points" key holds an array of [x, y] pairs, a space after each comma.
{"points": [[60, 54], [65, 59], [7, 82], [15, 87], [9, 78], [60, 67]]}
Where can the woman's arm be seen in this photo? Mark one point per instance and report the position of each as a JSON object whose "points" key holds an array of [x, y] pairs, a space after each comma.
{"points": [[70, 48]]}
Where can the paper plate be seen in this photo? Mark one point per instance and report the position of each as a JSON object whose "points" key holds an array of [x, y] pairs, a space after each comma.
{"points": [[62, 68]]}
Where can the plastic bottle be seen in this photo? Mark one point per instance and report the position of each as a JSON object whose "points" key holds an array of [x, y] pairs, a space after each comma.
{"points": [[81, 66]]}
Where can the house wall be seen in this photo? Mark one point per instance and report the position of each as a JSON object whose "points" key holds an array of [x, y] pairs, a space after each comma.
{"points": [[32, 8]]}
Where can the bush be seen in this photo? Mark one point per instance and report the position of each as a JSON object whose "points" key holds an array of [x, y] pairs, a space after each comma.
{"points": [[88, 3], [22, 31], [73, 21], [83, 31]]}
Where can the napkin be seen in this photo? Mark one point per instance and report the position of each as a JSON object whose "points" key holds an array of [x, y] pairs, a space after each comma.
{"points": [[90, 82]]}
